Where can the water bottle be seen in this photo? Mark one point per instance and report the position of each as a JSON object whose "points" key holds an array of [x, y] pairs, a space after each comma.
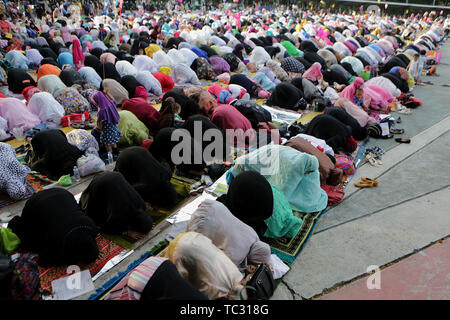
{"points": [[110, 158], [76, 174]]}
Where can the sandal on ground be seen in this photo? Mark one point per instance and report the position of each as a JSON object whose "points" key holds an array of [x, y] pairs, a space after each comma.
{"points": [[397, 131], [364, 184], [389, 136], [371, 158], [402, 140], [373, 181]]}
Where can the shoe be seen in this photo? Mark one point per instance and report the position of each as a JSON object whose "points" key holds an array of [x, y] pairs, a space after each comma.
{"points": [[373, 181], [402, 140], [364, 184], [397, 131]]}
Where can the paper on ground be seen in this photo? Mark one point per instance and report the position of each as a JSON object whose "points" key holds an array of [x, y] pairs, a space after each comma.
{"points": [[111, 263], [279, 267], [282, 116], [72, 286], [185, 212]]}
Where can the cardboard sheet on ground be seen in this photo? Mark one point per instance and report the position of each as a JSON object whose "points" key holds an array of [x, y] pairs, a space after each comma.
{"points": [[72, 286]]}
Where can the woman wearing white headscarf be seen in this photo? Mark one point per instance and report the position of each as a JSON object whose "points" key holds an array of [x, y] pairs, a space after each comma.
{"points": [[259, 56], [125, 68], [47, 109], [162, 59], [176, 56], [238, 240], [150, 83], [145, 63], [183, 75], [51, 83], [99, 44], [90, 75], [215, 40], [188, 55], [206, 267]]}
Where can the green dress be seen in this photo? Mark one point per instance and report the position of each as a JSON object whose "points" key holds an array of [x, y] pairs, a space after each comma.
{"points": [[133, 130]]}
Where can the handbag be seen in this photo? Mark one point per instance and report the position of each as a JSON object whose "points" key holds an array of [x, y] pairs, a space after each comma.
{"points": [[261, 285]]}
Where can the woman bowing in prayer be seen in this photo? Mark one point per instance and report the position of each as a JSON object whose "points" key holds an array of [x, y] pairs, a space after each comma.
{"points": [[115, 206], [53, 226]]}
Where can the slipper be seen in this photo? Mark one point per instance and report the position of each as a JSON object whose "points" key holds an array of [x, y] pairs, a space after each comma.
{"points": [[373, 181], [389, 136], [371, 158], [364, 184], [401, 140], [397, 131]]}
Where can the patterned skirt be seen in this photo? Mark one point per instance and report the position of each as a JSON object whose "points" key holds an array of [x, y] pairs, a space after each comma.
{"points": [[111, 134]]}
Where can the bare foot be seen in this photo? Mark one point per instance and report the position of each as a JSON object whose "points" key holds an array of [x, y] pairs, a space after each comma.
{"points": [[135, 235]]}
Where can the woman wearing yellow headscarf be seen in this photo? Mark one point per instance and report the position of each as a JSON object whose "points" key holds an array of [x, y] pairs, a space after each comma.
{"points": [[151, 49]]}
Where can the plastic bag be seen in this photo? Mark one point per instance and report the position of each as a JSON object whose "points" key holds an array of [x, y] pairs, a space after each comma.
{"points": [[89, 164], [9, 241], [18, 133]]}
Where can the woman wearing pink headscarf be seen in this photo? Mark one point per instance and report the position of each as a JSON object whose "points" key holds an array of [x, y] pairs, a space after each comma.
{"points": [[78, 57], [349, 91], [313, 73]]}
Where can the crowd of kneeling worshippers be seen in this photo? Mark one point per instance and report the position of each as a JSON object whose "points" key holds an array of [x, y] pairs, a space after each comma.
{"points": [[104, 77]]}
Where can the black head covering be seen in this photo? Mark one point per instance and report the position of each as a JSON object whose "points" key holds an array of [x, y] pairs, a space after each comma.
{"points": [[49, 61], [210, 51], [348, 67], [358, 132], [285, 95], [163, 145], [398, 81], [53, 155], [258, 42], [92, 61], [56, 46], [314, 57], [308, 46], [114, 205], [404, 58], [70, 76], [237, 51], [107, 70], [246, 83], [130, 83], [394, 61], [48, 53], [97, 52], [361, 58], [188, 106], [232, 60], [253, 112], [173, 43], [19, 79], [272, 51], [167, 284], [250, 199], [303, 61], [53, 226], [148, 176], [328, 128]]}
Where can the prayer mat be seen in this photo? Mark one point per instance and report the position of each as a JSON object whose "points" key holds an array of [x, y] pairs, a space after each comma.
{"points": [[288, 249], [158, 215], [102, 292], [107, 249], [34, 183]]}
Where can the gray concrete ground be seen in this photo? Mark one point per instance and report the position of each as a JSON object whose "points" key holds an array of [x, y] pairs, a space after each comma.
{"points": [[406, 212], [409, 210]]}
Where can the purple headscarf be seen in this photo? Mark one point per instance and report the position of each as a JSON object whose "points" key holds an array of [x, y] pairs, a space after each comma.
{"points": [[106, 108]]}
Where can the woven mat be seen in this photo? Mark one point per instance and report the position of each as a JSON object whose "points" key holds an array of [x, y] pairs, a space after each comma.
{"points": [[33, 185], [107, 249], [288, 249], [158, 215]]}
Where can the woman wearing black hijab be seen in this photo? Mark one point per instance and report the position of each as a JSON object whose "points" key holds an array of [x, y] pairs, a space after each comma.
{"points": [[54, 226], [328, 128], [70, 76], [107, 70], [92, 61], [397, 80], [49, 61], [53, 155], [209, 51], [393, 62], [130, 84], [163, 145], [358, 132], [250, 199], [167, 284], [19, 79], [148, 177], [188, 106], [96, 52], [312, 57], [285, 95], [114, 205], [308, 45], [48, 53]]}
